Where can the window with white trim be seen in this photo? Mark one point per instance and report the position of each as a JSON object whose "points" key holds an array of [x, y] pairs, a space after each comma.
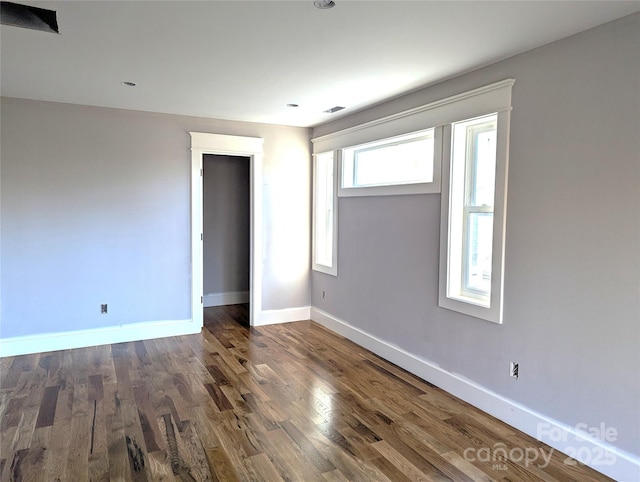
{"points": [[468, 149], [398, 165], [473, 167], [473, 214], [324, 213]]}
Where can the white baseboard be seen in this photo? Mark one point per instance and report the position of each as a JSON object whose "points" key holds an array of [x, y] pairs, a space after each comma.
{"points": [[23, 345], [599, 455], [287, 315], [229, 298]]}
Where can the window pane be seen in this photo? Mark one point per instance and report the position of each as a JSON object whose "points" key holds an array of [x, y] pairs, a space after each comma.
{"points": [[401, 160], [323, 215], [409, 162], [478, 256], [484, 167]]}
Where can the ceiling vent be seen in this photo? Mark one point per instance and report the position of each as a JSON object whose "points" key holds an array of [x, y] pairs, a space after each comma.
{"points": [[334, 109], [324, 4], [25, 16]]}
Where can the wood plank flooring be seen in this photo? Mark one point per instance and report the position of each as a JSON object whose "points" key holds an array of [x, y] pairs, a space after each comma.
{"points": [[279, 403]]}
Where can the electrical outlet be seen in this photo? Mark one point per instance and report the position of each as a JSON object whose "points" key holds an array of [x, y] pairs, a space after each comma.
{"points": [[103, 309], [323, 294], [513, 370]]}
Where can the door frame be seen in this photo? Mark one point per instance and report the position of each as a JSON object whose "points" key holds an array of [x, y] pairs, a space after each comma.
{"points": [[226, 145]]}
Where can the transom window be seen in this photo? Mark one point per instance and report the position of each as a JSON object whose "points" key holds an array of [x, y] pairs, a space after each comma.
{"points": [[397, 165], [404, 160]]}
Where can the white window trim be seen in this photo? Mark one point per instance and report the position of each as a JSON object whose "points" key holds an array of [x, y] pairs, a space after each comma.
{"points": [[333, 269], [493, 98], [494, 312], [398, 189], [483, 100]]}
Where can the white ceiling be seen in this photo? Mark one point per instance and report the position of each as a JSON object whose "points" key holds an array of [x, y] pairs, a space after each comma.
{"points": [[246, 60]]}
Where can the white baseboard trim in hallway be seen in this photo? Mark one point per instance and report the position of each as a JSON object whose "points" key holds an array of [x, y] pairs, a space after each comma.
{"points": [[229, 298]]}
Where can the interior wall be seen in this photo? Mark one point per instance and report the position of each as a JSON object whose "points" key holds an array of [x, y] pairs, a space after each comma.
{"points": [[572, 276], [95, 209], [226, 224]]}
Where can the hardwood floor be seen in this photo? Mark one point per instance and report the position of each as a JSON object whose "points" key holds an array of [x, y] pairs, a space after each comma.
{"points": [[283, 402]]}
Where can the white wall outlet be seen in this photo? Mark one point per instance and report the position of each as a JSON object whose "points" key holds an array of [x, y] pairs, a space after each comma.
{"points": [[103, 309]]}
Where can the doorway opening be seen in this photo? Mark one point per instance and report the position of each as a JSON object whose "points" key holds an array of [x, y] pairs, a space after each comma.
{"points": [[226, 210], [203, 144]]}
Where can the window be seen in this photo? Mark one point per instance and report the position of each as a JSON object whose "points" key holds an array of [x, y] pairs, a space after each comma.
{"points": [[324, 214], [397, 154], [473, 217], [398, 165], [471, 209]]}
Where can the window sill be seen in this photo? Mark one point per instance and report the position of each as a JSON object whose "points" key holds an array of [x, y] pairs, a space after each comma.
{"points": [[391, 190]]}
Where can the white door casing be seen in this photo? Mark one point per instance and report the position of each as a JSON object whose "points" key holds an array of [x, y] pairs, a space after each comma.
{"points": [[251, 147]]}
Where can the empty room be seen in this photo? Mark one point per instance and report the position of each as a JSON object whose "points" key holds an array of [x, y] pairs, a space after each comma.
{"points": [[319, 240]]}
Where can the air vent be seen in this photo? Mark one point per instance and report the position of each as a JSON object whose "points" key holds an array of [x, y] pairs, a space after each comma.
{"points": [[324, 4], [25, 16], [334, 109]]}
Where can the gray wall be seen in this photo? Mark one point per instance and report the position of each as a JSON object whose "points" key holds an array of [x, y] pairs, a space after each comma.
{"points": [[572, 280], [95, 209], [226, 224]]}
